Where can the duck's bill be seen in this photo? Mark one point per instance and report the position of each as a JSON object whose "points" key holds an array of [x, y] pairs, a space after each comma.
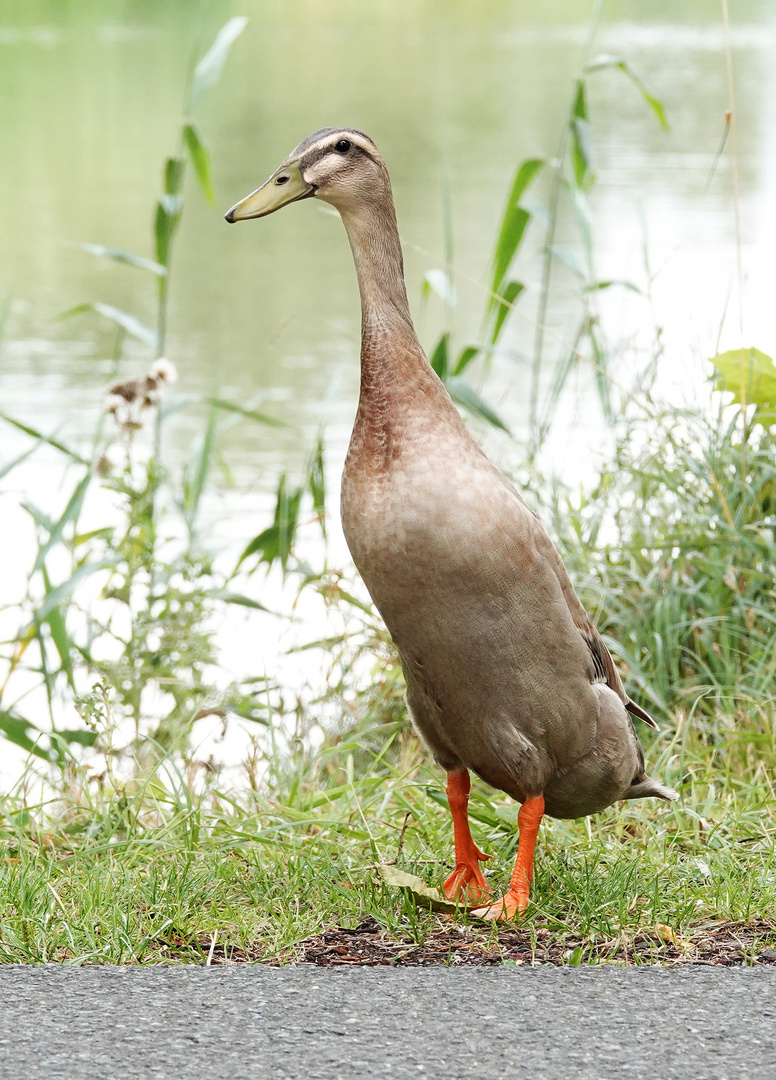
{"points": [[285, 186]]}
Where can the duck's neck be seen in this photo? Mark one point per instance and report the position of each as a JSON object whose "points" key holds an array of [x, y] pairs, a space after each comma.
{"points": [[399, 389], [389, 345]]}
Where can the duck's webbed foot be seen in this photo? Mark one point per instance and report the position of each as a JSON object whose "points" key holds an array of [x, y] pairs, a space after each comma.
{"points": [[467, 881], [515, 899]]}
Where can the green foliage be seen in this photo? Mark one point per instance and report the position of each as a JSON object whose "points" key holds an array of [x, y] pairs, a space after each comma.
{"points": [[674, 547], [604, 61], [208, 70], [751, 377], [514, 220], [148, 639], [151, 870]]}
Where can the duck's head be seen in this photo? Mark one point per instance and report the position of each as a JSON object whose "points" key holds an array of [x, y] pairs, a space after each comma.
{"points": [[339, 165]]}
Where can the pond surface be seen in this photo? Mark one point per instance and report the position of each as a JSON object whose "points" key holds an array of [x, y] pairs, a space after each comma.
{"points": [[455, 95]]}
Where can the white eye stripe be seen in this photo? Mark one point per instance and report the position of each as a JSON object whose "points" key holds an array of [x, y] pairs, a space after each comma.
{"points": [[330, 142]]}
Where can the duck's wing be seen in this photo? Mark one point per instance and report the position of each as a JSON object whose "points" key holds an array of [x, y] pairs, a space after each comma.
{"points": [[603, 664]]}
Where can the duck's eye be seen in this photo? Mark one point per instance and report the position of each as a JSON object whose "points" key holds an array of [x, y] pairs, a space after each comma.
{"points": [[342, 146], [281, 179]]}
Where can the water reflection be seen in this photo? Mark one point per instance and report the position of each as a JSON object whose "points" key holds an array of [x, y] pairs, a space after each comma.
{"points": [[90, 104]]}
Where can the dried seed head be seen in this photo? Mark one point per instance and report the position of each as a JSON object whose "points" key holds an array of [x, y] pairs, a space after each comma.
{"points": [[164, 371]]}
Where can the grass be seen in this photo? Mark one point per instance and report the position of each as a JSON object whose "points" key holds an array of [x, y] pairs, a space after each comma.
{"points": [[162, 869]]}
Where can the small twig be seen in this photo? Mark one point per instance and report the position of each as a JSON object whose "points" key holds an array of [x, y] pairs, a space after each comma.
{"points": [[407, 817]]}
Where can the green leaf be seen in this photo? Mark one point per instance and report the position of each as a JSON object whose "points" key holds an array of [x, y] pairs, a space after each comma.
{"points": [[47, 439], [439, 282], [463, 394], [172, 178], [513, 221], [15, 729], [439, 358], [581, 143], [200, 160], [62, 643], [11, 465], [61, 592], [276, 541], [230, 597], [569, 258], [423, 895], [750, 375], [38, 516], [316, 479], [508, 294], [76, 735], [607, 61], [251, 414], [198, 467], [70, 513], [208, 70], [166, 218], [465, 357], [133, 326], [597, 285], [354, 601], [59, 634], [121, 256]]}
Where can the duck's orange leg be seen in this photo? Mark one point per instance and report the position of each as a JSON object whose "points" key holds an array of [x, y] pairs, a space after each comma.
{"points": [[467, 880], [516, 896]]}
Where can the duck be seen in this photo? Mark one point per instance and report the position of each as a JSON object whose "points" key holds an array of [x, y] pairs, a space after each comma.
{"points": [[506, 675]]}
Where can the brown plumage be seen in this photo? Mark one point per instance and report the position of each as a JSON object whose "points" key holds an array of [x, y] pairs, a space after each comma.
{"points": [[506, 674]]}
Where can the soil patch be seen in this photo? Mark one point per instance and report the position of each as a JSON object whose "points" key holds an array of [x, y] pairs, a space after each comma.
{"points": [[726, 944]]}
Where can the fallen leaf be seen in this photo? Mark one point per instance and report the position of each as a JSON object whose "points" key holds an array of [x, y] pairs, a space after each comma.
{"points": [[423, 894], [667, 933]]}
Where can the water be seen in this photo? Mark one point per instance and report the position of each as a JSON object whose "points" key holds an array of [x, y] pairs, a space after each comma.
{"points": [[454, 94]]}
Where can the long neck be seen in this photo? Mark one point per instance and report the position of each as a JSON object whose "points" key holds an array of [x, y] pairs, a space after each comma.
{"points": [[398, 386], [387, 334]]}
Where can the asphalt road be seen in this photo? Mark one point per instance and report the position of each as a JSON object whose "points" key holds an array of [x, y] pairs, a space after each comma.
{"points": [[244, 1022]]}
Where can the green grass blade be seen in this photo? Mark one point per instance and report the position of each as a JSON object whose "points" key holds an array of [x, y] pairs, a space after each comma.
{"points": [[508, 294], [11, 465], [657, 107], [208, 70], [249, 414], [513, 221], [200, 159], [465, 358], [47, 439], [173, 174], [120, 256], [16, 728], [199, 466], [462, 394], [439, 358], [70, 513], [316, 480], [133, 326]]}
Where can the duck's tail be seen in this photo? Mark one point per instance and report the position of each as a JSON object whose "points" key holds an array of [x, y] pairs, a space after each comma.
{"points": [[649, 788]]}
